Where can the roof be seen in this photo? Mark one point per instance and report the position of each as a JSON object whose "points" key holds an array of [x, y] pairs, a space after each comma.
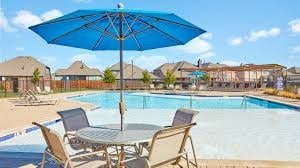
{"points": [[78, 68], [246, 67], [130, 71], [175, 68], [22, 66], [294, 70], [212, 65]]}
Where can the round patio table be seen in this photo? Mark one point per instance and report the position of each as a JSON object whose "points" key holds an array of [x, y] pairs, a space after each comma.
{"points": [[110, 134]]}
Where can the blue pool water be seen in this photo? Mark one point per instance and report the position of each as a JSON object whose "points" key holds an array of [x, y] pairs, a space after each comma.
{"points": [[109, 100]]}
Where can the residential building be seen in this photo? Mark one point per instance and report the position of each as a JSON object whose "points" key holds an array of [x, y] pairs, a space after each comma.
{"points": [[78, 71], [16, 73]]}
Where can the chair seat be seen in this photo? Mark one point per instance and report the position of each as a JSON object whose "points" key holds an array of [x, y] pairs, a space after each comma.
{"points": [[136, 163], [94, 161], [78, 144]]}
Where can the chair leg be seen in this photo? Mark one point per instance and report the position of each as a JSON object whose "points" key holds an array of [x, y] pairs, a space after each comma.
{"points": [[107, 158], [194, 152], [187, 160], [43, 160]]}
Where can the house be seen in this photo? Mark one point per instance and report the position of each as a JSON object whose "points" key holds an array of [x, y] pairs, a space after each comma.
{"points": [[175, 68], [293, 76], [130, 72], [16, 73], [78, 71]]}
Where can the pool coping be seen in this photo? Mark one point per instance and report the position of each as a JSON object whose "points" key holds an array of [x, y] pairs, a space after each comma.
{"points": [[29, 129]]}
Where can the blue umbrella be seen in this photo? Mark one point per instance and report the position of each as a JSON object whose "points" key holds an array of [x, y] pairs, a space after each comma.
{"points": [[197, 73], [118, 29]]}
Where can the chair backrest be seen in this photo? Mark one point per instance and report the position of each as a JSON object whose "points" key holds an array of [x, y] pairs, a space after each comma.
{"points": [[74, 119], [38, 89], [184, 116], [32, 95], [54, 143], [47, 89], [168, 144]]}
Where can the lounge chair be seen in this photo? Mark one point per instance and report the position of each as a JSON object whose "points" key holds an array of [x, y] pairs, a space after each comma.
{"points": [[57, 150], [74, 120], [152, 86], [182, 116], [40, 100], [48, 89], [39, 91], [167, 147]]}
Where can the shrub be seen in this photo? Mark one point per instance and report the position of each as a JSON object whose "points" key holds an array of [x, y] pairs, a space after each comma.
{"points": [[146, 77], [170, 78], [287, 94], [270, 91]]}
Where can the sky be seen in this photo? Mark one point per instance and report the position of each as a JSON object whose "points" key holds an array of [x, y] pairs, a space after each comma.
{"points": [[238, 32]]}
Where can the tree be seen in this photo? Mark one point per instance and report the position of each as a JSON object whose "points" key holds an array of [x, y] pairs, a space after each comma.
{"points": [[35, 76], [170, 78], [109, 77], [146, 77], [205, 77]]}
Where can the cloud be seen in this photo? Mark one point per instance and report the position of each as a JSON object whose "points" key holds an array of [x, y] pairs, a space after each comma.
{"points": [[230, 63], [49, 61], [51, 14], [295, 25], [26, 18], [207, 55], [20, 48], [236, 41], [148, 62], [4, 25], [88, 58], [259, 34], [295, 49], [207, 36], [196, 46]]}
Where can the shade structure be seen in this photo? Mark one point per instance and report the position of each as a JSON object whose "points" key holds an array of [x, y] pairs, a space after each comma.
{"points": [[118, 29]]}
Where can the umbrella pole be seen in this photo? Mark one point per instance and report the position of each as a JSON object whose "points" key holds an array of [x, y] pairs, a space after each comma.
{"points": [[121, 105]]}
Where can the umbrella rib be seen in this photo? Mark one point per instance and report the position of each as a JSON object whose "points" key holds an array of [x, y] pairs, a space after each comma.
{"points": [[141, 30], [112, 23], [102, 35], [62, 20], [85, 25], [134, 20], [163, 32], [172, 22], [129, 28]]}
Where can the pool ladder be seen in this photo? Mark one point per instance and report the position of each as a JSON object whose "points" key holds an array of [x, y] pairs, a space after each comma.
{"points": [[144, 102], [244, 102]]}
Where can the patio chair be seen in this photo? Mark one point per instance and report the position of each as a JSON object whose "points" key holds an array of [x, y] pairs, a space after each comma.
{"points": [[57, 150], [74, 120], [182, 116], [167, 147], [152, 86]]}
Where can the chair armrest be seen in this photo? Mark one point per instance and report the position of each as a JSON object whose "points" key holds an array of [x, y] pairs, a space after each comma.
{"points": [[167, 126]]}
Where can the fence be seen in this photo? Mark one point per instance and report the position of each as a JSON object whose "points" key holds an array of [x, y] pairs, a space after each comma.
{"points": [[13, 86]]}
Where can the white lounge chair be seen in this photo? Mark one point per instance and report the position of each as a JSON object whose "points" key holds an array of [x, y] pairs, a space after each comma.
{"points": [[48, 89], [39, 91], [32, 100], [57, 150]]}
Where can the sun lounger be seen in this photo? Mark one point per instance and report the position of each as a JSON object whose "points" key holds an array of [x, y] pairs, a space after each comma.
{"points": [[167, 147], [32, 100], [57, 150], [48, 89], [152, 86], [39, 91]]}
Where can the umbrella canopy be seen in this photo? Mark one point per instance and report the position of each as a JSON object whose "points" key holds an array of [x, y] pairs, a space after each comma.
{"points": [[197, 73], [117, 29]]}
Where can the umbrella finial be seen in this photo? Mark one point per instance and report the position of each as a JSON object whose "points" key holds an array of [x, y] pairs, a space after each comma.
{"points": [[120, 5]]}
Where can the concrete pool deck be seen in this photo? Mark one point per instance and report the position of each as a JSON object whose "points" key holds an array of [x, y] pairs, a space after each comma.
{"points": [[33, 160], [15, 118]]}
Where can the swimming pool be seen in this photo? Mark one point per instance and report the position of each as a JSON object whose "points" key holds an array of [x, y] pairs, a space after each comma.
{"points": [[262, 132], [140, 100]]}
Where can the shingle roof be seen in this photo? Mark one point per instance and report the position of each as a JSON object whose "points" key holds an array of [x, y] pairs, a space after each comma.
{"points": [[130, 71], [175, 68], [78, 68], [22, 66], [294, 70]]}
